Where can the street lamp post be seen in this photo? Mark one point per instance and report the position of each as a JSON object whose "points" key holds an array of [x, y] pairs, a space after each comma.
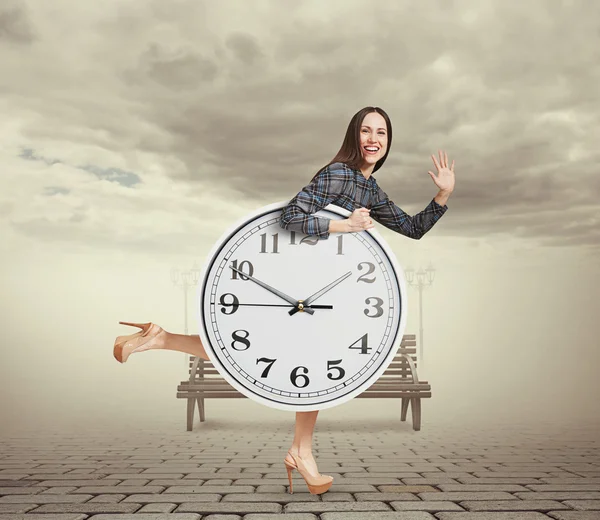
{"points": [[185, 278], [424, 279]]}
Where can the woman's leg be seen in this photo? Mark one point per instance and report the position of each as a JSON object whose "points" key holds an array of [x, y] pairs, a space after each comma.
{"points": [[190, 344], [303, 436], [158, 338]]}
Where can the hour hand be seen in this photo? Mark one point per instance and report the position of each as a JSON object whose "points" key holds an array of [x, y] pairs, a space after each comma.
{"points": [[284, 296], [320, 293]]}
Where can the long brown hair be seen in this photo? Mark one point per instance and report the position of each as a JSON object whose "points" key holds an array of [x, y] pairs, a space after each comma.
{"points": [[350, 152]]}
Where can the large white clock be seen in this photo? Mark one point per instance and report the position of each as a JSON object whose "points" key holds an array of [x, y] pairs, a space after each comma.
{"points": [[295, 322]]}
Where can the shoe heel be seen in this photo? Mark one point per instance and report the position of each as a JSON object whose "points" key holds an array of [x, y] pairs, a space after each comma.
{"points": [[143, 326], [289, 472]]}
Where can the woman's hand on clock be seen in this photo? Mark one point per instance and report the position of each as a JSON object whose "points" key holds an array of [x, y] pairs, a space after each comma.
{"points": [[360, 220], [284, 296]]}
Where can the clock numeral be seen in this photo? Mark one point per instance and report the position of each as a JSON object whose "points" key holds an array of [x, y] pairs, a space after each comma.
{"points": [[378, 305], [263, 243], [371, 270], [234, 304], [363, 345], [330, 366], [234, 274], [309, 241], [305, 240], [294, 376], [269, 362], [238, 338]]}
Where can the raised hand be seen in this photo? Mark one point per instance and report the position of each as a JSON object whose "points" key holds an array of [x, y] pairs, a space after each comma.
{"points": [[445, 177]]}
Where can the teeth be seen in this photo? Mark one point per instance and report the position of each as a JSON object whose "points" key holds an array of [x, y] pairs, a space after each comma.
{"points": [[371, 149]]}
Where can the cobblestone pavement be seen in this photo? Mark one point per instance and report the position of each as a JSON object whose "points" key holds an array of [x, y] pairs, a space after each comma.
{"points": [[233, 470]]}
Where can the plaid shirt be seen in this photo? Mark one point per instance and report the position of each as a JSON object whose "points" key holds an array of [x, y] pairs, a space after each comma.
{"points": [[347, 188]]}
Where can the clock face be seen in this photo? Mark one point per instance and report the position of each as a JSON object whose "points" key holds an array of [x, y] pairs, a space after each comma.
{"points": [[303, 361]]}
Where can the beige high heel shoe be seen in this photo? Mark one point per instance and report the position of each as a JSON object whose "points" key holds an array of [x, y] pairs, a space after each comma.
{"points": [[316, 484], [126, 345]]}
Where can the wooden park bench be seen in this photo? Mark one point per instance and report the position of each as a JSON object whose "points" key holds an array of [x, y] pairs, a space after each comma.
{"points": [[399, 380]]}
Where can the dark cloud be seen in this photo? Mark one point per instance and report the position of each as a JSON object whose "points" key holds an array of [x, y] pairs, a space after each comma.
{"points": [[255, 109], [15, 25]]}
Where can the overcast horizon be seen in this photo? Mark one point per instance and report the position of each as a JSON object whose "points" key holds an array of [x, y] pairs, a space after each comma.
{"points": [[134, 134]]}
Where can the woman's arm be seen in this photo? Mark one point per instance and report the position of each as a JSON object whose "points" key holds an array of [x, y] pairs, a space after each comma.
{"points": [[326, 187], [391, 216]]}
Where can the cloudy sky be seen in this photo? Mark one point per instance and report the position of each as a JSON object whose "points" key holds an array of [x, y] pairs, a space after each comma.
{"points": [[134, 133]]}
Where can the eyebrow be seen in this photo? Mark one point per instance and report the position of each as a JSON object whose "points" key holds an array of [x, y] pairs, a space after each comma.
{"points": [[367, 126]]}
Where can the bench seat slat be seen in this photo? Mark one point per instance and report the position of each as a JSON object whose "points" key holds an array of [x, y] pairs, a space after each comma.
{"points": [[395, 382]]}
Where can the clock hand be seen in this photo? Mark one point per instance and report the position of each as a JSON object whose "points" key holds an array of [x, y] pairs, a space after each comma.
{"points": [[272, 289], [320, 293], [272, 305]]}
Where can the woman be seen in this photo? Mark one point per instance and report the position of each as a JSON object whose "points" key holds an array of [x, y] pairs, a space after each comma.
{"points": [[347, 182]]}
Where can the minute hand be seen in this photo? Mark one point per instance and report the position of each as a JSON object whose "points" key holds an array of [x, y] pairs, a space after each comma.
{"points": [[320, 293], [273, 290]]}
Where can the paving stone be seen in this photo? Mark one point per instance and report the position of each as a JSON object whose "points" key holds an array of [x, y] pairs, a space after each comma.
{"points": [[508, 488], [460, 495], [271, 489], [221, 490], [175, 498], [517, 481], [229, 507], [558, 495], [61, 490], [288, 516], [224, 517], [384, 515], [16, 508], [564, 487], [408, 489], [424, 505], [112, 499], [584, 505], [15, 483], [281, 498], [331, 496], [573, 515], [157, 508], [64, 516], [119, 489], [513, 505], [322, 507], [21, 490], [524, 515], [87, 508], [147, 516], [384, 497], [45, 499], [78, 482]]}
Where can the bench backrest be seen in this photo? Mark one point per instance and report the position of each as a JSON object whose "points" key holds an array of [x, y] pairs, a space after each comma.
{"points": [[399, 367]]}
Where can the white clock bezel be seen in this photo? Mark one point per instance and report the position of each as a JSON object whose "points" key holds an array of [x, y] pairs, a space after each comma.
{"points": [[224, 372]]}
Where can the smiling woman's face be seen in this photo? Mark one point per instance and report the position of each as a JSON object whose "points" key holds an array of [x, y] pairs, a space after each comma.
{"points": [[373, 139]]}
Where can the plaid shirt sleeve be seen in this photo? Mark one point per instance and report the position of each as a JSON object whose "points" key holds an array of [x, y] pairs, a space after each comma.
{"points": [[391, 216], [326, 187]]}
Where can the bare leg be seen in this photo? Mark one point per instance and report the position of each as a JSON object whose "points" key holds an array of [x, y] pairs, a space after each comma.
{"points": [[158, 338], [303, 435], [190, 344]]}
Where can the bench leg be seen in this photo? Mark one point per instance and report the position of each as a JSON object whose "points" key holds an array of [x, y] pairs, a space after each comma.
{"points": [[416, 412], [190, 413], [405, 403], [200, 401]]}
